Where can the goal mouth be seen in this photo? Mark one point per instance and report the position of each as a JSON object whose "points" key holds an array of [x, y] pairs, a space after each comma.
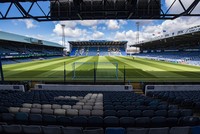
{"points": [[91, 70]]}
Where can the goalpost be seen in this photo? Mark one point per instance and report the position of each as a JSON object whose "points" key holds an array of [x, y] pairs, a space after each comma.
{"points": [[95, 70]]}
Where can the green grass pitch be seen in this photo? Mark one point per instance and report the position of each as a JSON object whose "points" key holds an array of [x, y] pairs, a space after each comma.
{"points": [[136, 70]]}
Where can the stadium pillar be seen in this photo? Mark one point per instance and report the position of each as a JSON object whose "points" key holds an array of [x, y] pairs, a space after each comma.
{"points": [[124, 74], [1, 69]]}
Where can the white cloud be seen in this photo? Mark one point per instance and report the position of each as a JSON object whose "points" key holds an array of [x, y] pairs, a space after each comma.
{"points": [[170, 26], [69, 31], [126, 36], [29, 23], [97, 35], [94, 28], [69, 24], [88, 22], [122, 22], [113, 24]]}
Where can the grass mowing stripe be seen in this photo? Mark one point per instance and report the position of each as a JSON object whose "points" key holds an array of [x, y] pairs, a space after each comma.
{"points": [[20, 65], [131, 70], [107, 69], [157, 70], [183, 66], [59, 71], [33, 66], [170, 69], [35, 70], [120, 70]]}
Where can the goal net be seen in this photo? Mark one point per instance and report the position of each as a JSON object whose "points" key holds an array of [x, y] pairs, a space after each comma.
{"points": [[95, 69]]}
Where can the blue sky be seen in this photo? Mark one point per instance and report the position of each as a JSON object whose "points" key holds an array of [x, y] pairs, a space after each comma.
{"points": [[97, 29]]}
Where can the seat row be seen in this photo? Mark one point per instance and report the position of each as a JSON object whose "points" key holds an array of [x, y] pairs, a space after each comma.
{"points": [[139, 107], [149, 113], [36, 129], [64, 112], [183, 98], [157, 121], [78, 105], [99, 112]]}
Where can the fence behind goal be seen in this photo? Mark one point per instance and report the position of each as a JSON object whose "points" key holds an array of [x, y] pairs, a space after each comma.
{"points": [[98, 70]]}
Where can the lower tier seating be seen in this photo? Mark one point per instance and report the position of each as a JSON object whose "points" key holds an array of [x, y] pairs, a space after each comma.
{"points": [[36, 129]]}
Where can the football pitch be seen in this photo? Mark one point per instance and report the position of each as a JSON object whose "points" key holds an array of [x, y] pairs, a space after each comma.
{"points": [[134, 70]]}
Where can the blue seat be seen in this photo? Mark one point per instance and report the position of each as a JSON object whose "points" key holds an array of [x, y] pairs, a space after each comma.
{"points": [[110, 113], [93, 131], [72, 130], [3, 109], [119, 107], [109, 107], [35, 118], [130, 107], [51, 130], [161, 113], [32, 129], [49, 119], [180, 130], [115, 131], [111, 121], [164, 130], [12, 129], [22, 117], [158, 121], [95, 121], [172, 121], [142, 122], [148, 113], [123, 113], [8, 117], [173, 113], [196, 130], [186, 112], [137, 131], [127, 121], [189, 121], [63, 120], [162, 107], [135, 113], [80, 121]]}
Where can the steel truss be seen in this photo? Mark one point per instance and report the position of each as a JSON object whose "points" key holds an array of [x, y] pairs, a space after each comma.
{"points": [[85, 9]]}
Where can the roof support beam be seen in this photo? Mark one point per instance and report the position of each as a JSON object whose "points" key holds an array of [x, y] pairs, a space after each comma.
{"points": [[191, 7], [25, 13]]}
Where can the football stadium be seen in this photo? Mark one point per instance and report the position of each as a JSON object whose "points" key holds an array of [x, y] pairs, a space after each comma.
{"points": [[105, 76]]}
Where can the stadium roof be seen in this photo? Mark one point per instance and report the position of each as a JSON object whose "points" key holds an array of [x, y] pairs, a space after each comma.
{"points": [[50, 10], [23, 39], [97, 43], [190, 36]]}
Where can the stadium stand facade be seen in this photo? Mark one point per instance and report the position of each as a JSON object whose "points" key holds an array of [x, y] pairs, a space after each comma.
{"points": [[16, 48], [180, 47], [98, 48]]}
